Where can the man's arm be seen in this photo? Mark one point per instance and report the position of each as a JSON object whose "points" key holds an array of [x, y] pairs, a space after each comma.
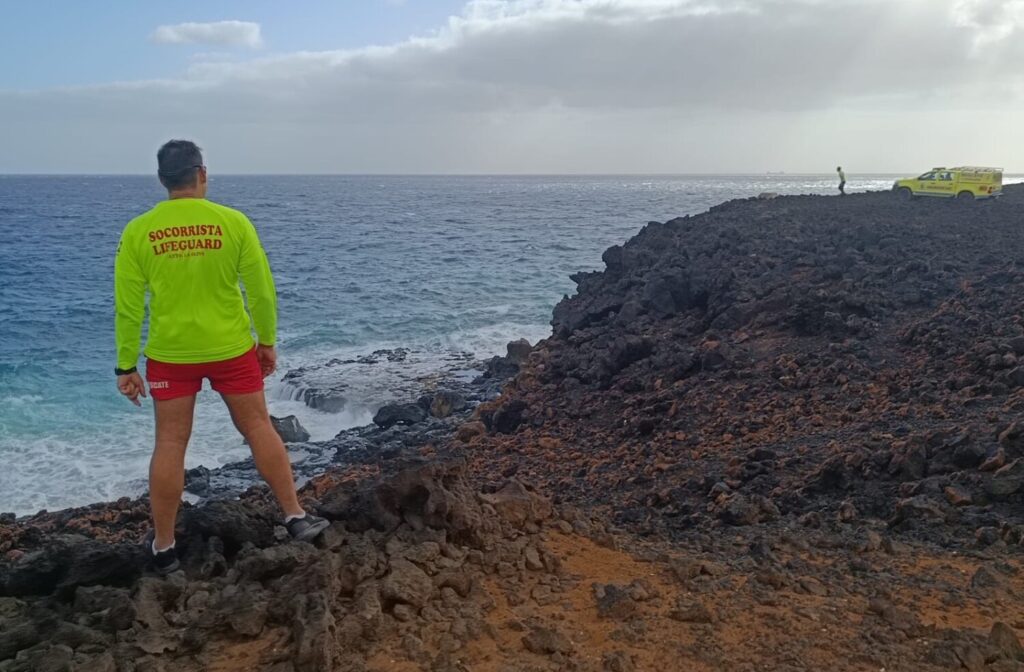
{"points": [[129, 305], [260, 293], [129, 309]]}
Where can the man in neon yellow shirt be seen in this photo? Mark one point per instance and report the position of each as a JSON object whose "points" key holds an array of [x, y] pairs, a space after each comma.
{"points": [[189, 254]]}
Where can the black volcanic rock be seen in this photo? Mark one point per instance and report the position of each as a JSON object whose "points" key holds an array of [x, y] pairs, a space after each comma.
{"points": [[289, 429], [508, 417], [399, 414], [446, 402], [872, 346]]}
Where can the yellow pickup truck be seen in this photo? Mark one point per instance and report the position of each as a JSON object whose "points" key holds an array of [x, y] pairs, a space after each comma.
{"points": [[963, 182]]}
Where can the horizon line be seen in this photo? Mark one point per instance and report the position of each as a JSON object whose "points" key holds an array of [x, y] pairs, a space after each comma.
{"points": [[482, 174]]}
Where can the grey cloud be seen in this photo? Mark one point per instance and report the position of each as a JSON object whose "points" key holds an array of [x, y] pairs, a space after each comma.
{"points": [[992, 21], [580, 85]]}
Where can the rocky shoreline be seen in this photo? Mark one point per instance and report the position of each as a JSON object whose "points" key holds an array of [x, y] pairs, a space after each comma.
{"points": [[435, 410], [780, 435], [432, 412]]}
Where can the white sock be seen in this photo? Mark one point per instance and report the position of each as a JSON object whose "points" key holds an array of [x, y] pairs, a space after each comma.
{"points": [[161, 550], [295, 517]]}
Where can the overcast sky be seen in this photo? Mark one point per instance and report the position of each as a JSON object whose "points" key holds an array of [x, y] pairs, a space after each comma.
{"points": [[514, 86]]}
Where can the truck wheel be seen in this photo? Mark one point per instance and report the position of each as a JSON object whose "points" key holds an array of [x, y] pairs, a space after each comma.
{"points": [[904, 193], [965, 196]]}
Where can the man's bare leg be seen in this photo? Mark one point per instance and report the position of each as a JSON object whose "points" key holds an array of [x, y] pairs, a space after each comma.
{"points": [[167, 466], [250, 415]]}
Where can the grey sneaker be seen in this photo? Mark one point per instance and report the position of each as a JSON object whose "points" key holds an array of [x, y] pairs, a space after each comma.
{"points": [[306, 528]]}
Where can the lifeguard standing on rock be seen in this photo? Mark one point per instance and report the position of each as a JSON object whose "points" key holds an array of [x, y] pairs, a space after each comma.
{"points": [[189, 254]]}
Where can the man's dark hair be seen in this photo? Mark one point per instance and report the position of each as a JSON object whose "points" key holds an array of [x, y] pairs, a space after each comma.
{"points": [[178, 163]]}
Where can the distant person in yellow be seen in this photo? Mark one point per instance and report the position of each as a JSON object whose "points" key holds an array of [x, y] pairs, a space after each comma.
{"points": [[842, 180], [189, 254]]}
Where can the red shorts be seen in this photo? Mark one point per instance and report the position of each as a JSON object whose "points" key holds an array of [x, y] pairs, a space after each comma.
{"points": [[241, 375]]}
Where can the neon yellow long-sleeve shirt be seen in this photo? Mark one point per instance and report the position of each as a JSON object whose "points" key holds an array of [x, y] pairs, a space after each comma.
{"points": [[189, 254]]}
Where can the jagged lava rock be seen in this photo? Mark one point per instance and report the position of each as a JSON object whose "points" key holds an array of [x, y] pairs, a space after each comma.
{"points": [[400, 414], [289, 429], [813, 355]]}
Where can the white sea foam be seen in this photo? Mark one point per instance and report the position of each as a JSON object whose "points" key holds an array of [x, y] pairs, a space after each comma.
{"points": [[321, 426], [367, 387], [108, 461], [491, 340], [54, 471], [20, 399]]}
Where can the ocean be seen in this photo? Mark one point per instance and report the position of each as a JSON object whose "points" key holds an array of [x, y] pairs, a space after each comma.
{"points": [[445, 267]]}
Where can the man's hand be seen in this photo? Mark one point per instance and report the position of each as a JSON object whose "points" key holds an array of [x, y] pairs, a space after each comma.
{"points": [[131, 386], [267, 356]]}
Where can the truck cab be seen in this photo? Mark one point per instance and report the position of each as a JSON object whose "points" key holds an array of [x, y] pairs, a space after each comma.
{"points": [[963, 182]]}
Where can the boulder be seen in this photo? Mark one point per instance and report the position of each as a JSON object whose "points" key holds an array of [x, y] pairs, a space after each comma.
{"points": [[508, 417], [911, 465], [617, 661], [399, 414], [968, 455], [1015, 376], [289, 429], [18, 635], [447, 402], [740, 510], [518, 504], [1003, 641], [406, 583], [233, 522], [69, 561], [958, 496], [328, 401], [547, 641], [993, 460], [500, 368], [920, 508], [470, 430], [614, 602], [1012, 437], [422, 494], [269, 563], [518, 351], [197, 481], [971, 657], [247, 611], [1007, 480]]}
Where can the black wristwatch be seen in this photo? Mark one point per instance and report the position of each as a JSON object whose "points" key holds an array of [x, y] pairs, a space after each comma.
{"points": [[125, 372]]}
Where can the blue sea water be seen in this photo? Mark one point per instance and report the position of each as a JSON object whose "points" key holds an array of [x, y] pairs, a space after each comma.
{"points": [[440, 265]]}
